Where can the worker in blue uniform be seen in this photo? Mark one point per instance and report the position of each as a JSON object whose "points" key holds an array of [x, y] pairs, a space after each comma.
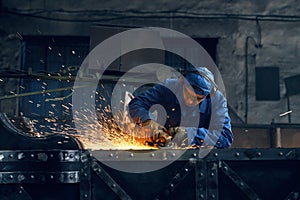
{"points": [[196, 111]]}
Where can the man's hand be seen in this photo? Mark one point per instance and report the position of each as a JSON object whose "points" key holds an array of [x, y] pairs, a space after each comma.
{"points": [[158, 133], [179, 136], [161, 138]]}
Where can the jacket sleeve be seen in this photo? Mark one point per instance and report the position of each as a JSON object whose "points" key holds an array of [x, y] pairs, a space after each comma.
{"points": [[140, 105], [219, 133]]}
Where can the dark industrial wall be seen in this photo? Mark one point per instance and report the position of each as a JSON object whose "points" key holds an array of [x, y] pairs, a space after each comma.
{"points": [[266, 137], [273, 28]]}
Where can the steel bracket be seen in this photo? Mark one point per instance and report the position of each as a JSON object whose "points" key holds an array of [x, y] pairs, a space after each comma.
{"points": [[238, 181], [109, 181]]}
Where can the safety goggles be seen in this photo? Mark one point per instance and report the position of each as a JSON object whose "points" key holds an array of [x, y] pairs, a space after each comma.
{"points": [[191, 96]]}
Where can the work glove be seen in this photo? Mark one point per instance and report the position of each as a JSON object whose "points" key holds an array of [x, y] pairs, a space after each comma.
{"points": [[179, 136], [159, 135], [161, 138]]}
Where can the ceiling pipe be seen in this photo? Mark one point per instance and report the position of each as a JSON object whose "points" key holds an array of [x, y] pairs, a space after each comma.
{"points": [[256, 45]]}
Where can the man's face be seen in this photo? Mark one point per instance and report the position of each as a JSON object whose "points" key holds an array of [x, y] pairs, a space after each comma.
{"points": [[190, 97]]}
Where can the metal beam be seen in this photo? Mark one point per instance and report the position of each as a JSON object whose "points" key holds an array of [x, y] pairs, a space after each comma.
{"points": [[201, 180], [238, 181], [177, 179], [109, 181]]}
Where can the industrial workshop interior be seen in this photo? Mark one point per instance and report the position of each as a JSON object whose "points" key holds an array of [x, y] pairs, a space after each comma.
{"points": [[149, 100]]}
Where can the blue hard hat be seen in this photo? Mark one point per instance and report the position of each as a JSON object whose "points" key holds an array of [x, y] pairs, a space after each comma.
{"points": [[201, 80]]}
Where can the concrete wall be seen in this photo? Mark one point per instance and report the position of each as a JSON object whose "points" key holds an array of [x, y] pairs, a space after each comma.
{"points": [[230, 21]]}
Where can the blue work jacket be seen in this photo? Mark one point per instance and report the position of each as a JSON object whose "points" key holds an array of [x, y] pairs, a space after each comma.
{"points": [[206, 124]]}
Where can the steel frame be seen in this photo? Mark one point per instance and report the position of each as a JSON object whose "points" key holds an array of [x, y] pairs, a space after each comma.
{"points": [[77, 165]]}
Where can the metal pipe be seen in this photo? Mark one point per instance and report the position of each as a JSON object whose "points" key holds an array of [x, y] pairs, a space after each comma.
{"points": [[41, 92], [256, 45], [277, 138], [289, 108], [246, 77]]}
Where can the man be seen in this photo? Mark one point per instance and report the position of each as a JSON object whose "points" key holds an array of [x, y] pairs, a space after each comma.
{"points": [[194, 109]]}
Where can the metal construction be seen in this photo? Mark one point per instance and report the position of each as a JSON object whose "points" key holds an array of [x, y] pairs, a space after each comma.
{"points": [[56, 168]]}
